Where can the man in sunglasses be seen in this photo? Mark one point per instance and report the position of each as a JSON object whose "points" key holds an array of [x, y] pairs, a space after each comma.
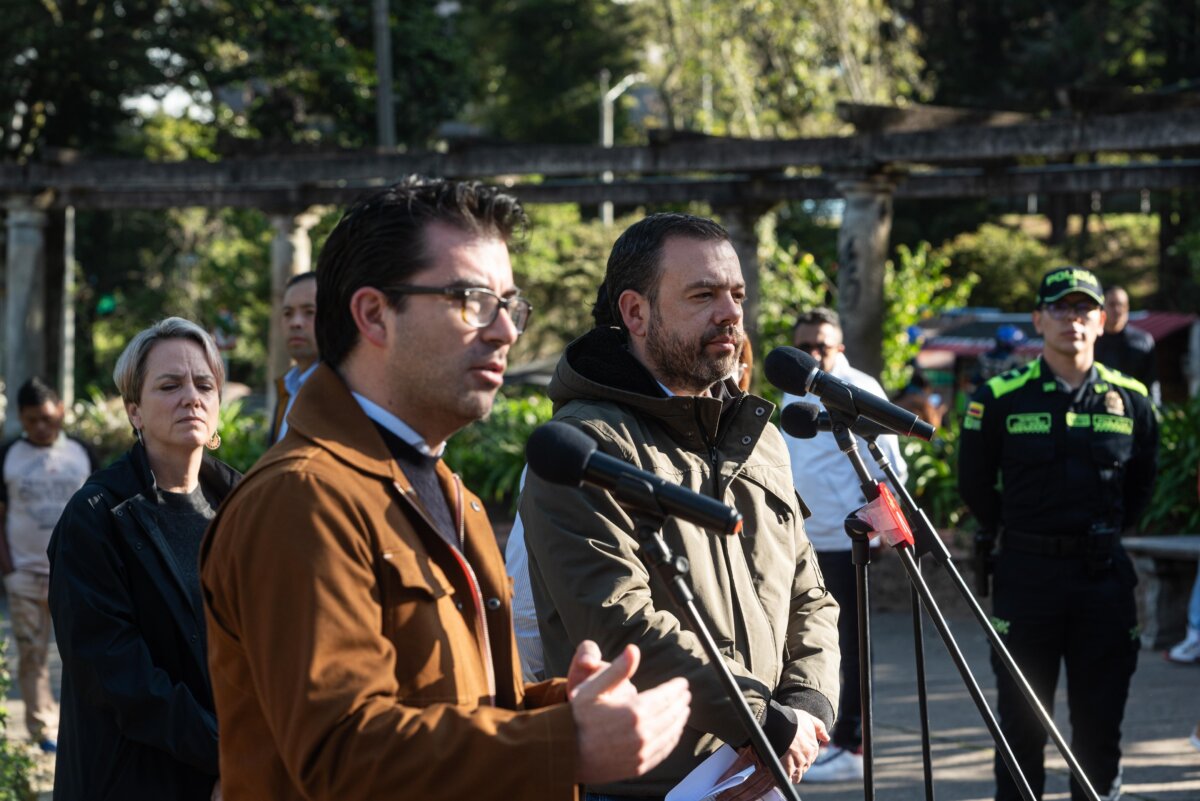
{"points": [[359, 621], [826, 480], [1059, 457]]}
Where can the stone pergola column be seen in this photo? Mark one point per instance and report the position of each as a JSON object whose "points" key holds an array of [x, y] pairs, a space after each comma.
{"points": [[742, 221], [25, 303], [862, 253], [291, 254]]}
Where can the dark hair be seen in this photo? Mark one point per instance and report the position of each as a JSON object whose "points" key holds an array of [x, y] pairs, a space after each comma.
{"points": [[35, 392], [379, 242], [298, 277], [634, 261], [821, 315]]}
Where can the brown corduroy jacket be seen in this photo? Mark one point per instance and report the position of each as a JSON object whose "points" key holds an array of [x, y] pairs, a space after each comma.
{"points": [[354, 653]]}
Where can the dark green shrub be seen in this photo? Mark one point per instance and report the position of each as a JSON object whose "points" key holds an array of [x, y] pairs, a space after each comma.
{"points": [[1174, 507], [490, 454], [16, 764], [1009, 262]]}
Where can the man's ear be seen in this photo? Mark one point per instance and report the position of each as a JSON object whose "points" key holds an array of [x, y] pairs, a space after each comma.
{"points": [[1037, 322], [368, 307], [635, 312]]}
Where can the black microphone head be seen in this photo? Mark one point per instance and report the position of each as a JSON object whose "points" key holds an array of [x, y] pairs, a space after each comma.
{"points": [[789, 369], [799, 420], [559, 453]]}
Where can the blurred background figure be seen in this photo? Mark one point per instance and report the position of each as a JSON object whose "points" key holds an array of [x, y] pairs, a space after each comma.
{"points": [[298, 317], [42, 470], [1003, 355], [137, 718], [1124, 348]]}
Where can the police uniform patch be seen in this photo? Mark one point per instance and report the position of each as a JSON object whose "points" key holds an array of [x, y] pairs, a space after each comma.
{"points": [[975, 409], [1113, 404]]}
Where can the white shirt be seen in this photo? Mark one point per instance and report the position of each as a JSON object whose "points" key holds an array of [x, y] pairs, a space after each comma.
{"points": [[397, 426], [293, 379], [38, 483], [823, 475]]}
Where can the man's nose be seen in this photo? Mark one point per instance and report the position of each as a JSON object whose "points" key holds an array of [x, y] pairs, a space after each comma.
{"points": [[728, 311]]}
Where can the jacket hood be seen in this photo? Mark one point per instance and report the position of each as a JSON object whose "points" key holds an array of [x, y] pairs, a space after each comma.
{"points": [[130, 475], [599, 366]]}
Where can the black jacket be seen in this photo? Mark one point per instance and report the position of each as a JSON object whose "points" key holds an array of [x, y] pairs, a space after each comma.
{"points": [[1065, 460], [137, 711]]}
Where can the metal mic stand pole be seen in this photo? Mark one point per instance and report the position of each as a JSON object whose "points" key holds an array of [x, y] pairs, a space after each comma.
{"points": [[648, 518], [860, 549], [918, 630], [928, 541], [871, 490]]}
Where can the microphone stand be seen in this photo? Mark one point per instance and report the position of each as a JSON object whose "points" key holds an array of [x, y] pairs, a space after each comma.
{"points": [[926, 540], [918, 629], [648, 518], [857, 528]]}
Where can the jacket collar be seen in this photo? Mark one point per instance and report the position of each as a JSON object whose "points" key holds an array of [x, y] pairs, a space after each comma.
{"points": [[599, 366], [328, 415]]}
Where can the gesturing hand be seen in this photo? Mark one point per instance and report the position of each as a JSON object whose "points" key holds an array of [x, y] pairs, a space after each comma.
{"points": [[622, 733]]}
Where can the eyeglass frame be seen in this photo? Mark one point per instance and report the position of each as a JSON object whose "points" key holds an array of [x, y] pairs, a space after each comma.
{"points": [[462, 293], [815, 347], [1061, 311]]}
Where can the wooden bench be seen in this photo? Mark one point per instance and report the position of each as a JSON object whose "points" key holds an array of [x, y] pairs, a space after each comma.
{"points": [[1166, 568]]}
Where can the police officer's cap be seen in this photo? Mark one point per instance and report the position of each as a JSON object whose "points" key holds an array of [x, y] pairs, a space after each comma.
{"points": [[1062, 281]]}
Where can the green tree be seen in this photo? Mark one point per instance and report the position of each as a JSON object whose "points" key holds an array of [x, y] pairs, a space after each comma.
{"points": [[766, 68], [538, 64]]}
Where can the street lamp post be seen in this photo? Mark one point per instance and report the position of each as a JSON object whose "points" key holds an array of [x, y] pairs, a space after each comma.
{"points": [[608, 96]]}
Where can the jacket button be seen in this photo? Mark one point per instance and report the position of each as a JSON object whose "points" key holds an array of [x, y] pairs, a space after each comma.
{"points": [[458, 605], [759, 411], [493, 604], [747, 440], [194, 637], [475, 506]]}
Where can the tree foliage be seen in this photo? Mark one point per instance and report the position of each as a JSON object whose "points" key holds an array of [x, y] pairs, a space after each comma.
{"points": [[766, 68]]}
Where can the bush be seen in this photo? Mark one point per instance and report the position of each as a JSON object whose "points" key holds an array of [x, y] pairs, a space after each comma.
{"points": [[490, 454], [933, 477], [16, 764], [1173, 508], [1010, 264]]}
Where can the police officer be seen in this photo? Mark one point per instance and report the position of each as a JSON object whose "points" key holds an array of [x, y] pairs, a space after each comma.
{"points": [[1059, 456]]}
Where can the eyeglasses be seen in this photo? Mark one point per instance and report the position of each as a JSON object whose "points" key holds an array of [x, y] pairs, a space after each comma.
{"points": [[480, 306], [1069, 311], [814, 347]]}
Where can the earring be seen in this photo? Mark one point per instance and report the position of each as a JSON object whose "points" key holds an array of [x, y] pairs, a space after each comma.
{"points": [[214, 441]]}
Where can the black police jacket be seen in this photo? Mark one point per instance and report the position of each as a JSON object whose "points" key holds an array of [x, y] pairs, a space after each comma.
{"points": [[1064, 460], [137, 718]]}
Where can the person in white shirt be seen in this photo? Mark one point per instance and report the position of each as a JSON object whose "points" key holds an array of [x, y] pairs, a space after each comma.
{"points": [[42, 469], [827, 482], [299, 314]]}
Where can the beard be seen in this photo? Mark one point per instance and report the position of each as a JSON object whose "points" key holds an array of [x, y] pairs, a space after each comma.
{"points": [[684, 364]]}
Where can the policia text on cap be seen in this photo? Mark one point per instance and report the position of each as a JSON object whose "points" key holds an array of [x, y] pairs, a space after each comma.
{"points": [[1058, 456]]}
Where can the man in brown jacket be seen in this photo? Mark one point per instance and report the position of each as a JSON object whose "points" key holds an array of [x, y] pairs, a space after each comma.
{"points": [[359, 621]]}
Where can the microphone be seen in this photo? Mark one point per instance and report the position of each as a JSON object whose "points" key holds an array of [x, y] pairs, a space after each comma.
{"points": [[804, 420], [796, 372], [561, 454]]}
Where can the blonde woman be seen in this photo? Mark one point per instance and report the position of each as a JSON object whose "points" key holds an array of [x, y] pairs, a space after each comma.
{"points": [[137, 711]]}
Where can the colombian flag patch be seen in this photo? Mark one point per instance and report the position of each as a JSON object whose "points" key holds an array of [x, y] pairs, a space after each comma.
{"points": [[975, 409]]}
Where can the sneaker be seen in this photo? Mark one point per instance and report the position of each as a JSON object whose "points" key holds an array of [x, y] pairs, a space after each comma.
{"points": [[48, 746], [835, 764], [1188, 651]]}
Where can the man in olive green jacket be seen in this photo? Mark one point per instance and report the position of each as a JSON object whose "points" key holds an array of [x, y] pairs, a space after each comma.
{"points": [[650, 383]]}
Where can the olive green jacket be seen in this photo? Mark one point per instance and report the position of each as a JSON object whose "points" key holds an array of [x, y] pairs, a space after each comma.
{"points": [[760, 593]]}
